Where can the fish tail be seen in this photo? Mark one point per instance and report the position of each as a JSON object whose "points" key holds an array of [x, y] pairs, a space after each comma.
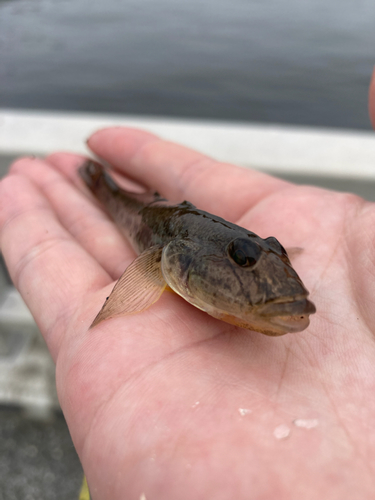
{"points": [[123, 206], [105, 189], [94, 175]]}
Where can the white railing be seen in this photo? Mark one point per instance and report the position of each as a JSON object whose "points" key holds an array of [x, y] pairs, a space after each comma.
{"points": [[283, 149]]}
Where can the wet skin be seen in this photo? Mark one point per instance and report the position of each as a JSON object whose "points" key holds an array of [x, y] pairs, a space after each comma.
{"points": [[219, 267]]}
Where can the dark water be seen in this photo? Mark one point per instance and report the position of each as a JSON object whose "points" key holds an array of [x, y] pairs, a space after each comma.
{"points": [[298, 61]]}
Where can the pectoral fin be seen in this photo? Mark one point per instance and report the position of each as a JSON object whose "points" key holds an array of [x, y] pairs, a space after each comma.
{"points": [[138, 288], [294, 252]]}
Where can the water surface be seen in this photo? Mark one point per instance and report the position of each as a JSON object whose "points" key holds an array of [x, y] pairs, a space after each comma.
{"points": [[299, 61]]}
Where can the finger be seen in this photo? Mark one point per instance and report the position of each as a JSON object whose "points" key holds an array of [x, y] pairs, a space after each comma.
{"points": [[86, 222], [53, 273], [372, 99], [68, 164], [179, 173]]}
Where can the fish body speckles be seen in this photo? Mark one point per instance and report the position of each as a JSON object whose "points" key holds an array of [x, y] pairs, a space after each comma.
{"points": [[219, 267]]}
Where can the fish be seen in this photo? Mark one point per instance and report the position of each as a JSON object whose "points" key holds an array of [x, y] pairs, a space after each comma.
{"points": [[219, 267]]}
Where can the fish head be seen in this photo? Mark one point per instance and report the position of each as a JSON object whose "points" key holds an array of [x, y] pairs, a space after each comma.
{"points": [[245, 280]]}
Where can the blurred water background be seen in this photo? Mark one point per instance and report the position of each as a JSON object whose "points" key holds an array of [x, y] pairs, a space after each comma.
{"points": [[303, 62]]}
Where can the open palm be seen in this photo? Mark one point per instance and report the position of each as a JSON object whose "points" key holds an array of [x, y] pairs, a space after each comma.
{"points": [[172, 403]]}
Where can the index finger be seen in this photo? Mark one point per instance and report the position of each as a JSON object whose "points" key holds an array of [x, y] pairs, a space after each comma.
{"points": [[179, 173]]}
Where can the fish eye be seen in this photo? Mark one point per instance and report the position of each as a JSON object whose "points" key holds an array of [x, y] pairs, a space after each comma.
{"points": [[275, 245], [244, 252]]}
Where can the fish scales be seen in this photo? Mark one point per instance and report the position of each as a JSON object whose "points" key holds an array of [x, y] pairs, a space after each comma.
{"points": [[217, 266]]}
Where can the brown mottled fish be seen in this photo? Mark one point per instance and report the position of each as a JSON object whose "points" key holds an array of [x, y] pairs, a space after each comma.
{"points": [[218, 267]]}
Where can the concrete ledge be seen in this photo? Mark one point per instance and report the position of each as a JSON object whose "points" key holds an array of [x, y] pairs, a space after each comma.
{"points": [[280, 149]]}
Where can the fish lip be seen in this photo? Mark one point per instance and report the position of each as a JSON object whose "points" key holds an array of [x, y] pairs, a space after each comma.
{"points": [[289, 307]]}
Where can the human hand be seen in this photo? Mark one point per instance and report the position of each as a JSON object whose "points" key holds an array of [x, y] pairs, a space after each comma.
{"points": [[155, 402]]}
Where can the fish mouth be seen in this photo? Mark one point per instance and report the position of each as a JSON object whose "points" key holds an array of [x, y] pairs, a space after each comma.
{"points": [[286, 307], [291, 314]]}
